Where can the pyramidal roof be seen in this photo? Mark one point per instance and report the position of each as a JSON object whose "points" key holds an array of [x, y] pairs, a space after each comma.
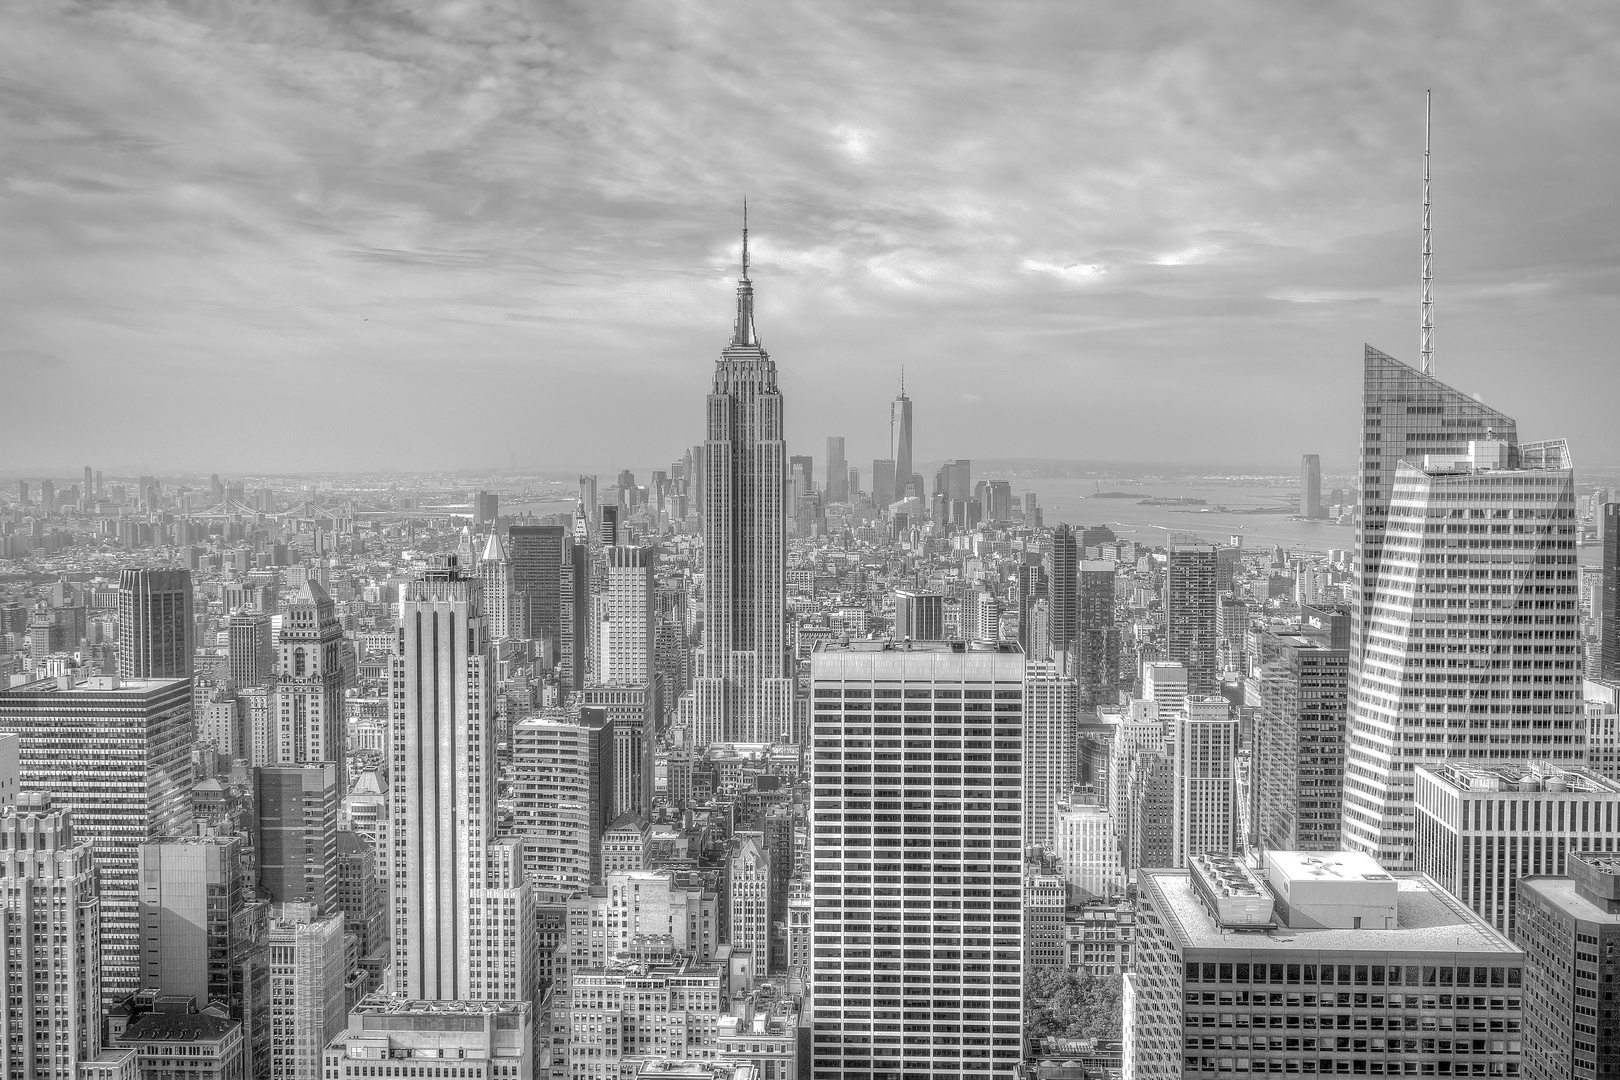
{"points": [[311, 592], [493, 551]]}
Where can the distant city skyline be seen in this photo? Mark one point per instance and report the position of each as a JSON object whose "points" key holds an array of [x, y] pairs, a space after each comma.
{"points": [[206, 206]]}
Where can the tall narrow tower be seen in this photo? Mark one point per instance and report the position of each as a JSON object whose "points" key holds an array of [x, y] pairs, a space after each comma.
{"points": [[442, 785], [1427, 343], [900, 441], [309, 684], [744, 692]]}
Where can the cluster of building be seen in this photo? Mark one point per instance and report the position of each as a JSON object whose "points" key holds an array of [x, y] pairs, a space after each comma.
{"points": [[747, 773]]}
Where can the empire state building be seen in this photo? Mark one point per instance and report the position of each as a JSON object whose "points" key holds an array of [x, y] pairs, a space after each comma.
{"points": [[743, 692]]}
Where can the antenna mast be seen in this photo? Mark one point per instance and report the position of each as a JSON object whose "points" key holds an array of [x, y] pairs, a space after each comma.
{"points": [[1428, 249]]}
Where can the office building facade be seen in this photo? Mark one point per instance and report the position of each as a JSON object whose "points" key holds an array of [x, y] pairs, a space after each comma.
{"points": [[310, 681], [1189, 615], [1478, 568], [156, 632], [873, 702], [1297, 784], [116, 754], [1569, 928]]}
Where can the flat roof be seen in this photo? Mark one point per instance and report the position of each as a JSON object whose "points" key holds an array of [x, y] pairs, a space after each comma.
{"points": [[1562, 893], [882, 645], [1328, 866], [99, 684], [1462, 774], [1428, 919]]}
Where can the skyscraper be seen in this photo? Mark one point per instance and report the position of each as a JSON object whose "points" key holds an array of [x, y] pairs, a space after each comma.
{"points": [[562, 782], [1472, 644], [959, 699], [1297, 786], [1609, 615], [307, 973], [883, 485], [1050, 737], [1405, 414], [1206, 791], [919, 616], [1310, 486], [1062, 589], [51, 919], [298, 828], [506, 611], [900, 442], [536, 553], [837, 470], [455, 898], [310, 680], [1189, 615], [1096, 640], [203, 933], [749, 893], [744, 692], [1569, 929], [117, 754], [156, 635], [629, 660], [252, 649]]}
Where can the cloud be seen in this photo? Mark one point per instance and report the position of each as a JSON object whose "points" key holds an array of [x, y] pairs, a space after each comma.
{"points": [[521, 218]]}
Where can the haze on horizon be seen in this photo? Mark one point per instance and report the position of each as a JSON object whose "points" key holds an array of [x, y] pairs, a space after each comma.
{"points": [[312, 239]]}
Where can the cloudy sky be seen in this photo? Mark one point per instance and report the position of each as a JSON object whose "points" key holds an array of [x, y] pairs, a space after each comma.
{"points": [[327, 235]]}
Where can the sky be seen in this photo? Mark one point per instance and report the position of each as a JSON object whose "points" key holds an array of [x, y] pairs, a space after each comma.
{"points": [[321, 235]]}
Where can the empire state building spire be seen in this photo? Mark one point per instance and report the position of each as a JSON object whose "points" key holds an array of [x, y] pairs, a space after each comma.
{"points": [[744, 332]]}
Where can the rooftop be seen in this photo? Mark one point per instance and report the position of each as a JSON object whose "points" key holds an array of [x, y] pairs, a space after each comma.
{"points": [[98, 684], [874, 645], [1427, 918], [1520, 776], [1565, 894], [178, 1027]]}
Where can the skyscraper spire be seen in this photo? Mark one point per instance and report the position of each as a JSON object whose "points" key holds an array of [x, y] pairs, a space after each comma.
{"points": [[1428, 249], [744, 333]]}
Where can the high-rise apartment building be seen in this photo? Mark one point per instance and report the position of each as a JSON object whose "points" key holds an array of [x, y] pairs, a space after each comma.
{"points": [[1049, 750], [1310, 486], [50, 918], [307, 986], [1473, 648], [1481, 827], [963, 705], [310, 681], [506, 610], [562, 784], [156, 633], [632, 611], [1322, 963], [1062, 565], [116, 754], [1297, 783], [1189, 615], [1206, 781], [744, 689], [252, 649], [298, 830], [919, 616], [837, 470], [1569, 929]]}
